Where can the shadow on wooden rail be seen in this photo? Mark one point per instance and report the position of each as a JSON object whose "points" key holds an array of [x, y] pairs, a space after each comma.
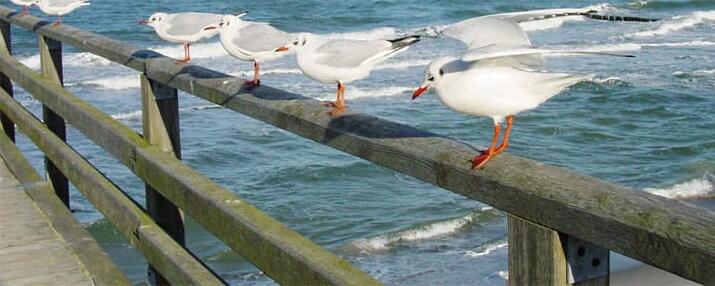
{"points": [[671, 235]]}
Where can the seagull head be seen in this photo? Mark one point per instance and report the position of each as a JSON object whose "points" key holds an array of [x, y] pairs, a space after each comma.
{"points": [[154, 19], [298, 42], [230, 20], [434, 73]]}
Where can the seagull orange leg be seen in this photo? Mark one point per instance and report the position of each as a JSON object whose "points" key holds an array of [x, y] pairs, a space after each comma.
{"points": [[337, 97], [25, 11], [340, 103], [58, 21], [187, 55], [256, 76], [481, 159], [505, 141]]}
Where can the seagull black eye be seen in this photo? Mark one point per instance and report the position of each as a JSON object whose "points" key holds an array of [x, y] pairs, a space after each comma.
{"points": [[441, 72], [295, 43], [431, 78], [303, 43]]}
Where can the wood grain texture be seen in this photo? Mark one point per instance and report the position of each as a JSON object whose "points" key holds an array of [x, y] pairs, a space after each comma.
{"points": [[51, 66], [170, 258], [671, 235], [536, 255], [78, 241], [43, 260], [5, 84], [160, 121]]}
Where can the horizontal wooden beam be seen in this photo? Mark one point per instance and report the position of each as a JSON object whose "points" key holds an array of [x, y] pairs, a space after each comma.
{"points": [[278, 251], [671, 235], [168, 257]]}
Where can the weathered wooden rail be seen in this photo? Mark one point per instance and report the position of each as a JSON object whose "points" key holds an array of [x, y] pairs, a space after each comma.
{"points": [[561, 224]]}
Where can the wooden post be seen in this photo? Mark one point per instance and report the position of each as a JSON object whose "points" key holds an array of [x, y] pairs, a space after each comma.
{"points": [[51, 63], [160, 117], [5, 83], [536, 256], [541, 256]]}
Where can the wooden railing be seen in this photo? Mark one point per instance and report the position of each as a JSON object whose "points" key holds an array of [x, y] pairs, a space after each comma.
{"points": [[561, 224]]}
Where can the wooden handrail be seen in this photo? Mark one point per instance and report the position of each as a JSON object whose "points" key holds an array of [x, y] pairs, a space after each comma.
{"points": [[671, 235]]}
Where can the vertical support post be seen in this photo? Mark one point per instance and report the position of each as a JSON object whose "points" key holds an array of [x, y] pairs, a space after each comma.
{"points": [[536, 256], [6, 50], [541, 256], [51, 63], [160, 117]]}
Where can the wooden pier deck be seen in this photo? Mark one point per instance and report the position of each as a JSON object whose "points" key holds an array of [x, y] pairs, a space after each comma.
{"points": [[31, 251]]}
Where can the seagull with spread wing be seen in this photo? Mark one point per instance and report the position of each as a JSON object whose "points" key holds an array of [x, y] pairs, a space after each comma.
{"points": [[495, 77]]}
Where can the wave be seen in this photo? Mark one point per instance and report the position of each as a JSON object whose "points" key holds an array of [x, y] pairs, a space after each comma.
{"points": [[680, 44], [486, 250], [429, 231], [355, 93], [611, 80], [372, 34], [677, 23], [696, 73], [71, 59], [128, 116], [699, 188], [115, 83], [198, 51]]}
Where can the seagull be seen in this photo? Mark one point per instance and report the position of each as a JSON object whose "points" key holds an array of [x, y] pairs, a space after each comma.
{"points": [[495, 77], [25, 5], [184, 28], [59, 7], [253, 41], [343, 61], [462, 30]]}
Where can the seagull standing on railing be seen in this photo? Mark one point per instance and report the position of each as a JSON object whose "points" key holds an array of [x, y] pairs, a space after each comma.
{"points": [[343, 61], [252, 41], [25, 5], [184, 28], [59, 8], [495, 76]]}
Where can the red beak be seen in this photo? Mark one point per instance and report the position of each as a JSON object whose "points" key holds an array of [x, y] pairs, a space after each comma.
{"points": [[282, 49], [143, 22], [419, 91]]}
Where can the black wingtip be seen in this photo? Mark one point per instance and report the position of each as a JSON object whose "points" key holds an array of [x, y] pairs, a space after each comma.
{"points": [[595, 16]]}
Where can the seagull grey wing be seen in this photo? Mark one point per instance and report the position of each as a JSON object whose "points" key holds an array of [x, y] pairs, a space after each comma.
{"points": [[190, 23], [543, 14], [483, 32], [344, 53], [63, 3], [259, 37]]}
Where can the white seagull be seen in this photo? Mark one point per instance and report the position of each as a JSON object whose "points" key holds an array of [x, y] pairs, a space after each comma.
{"points": [[25, 5], [59, 7], [495, 77], [184, 28], [343, 61], [252, 41]]}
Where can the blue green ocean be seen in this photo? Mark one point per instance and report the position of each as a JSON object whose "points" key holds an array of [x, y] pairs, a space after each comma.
{"points": [[646, 122]]}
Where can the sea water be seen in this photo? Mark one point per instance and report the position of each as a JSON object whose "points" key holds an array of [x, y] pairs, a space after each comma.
{"points": [[646, 122]]}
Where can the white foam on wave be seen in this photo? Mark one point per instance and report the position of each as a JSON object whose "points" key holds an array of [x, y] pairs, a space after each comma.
{"points": [[127, 116], [614, 80], [72, 59], [696, 188], [678, 23], [373, 34], [115, 83], [198, 51], [353, 92], [695, 43], [402, 65], [486, 250], [430, 231]]}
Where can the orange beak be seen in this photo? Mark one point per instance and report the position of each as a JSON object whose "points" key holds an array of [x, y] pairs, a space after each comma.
{"points": [[282, 49], [420, 91]]}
